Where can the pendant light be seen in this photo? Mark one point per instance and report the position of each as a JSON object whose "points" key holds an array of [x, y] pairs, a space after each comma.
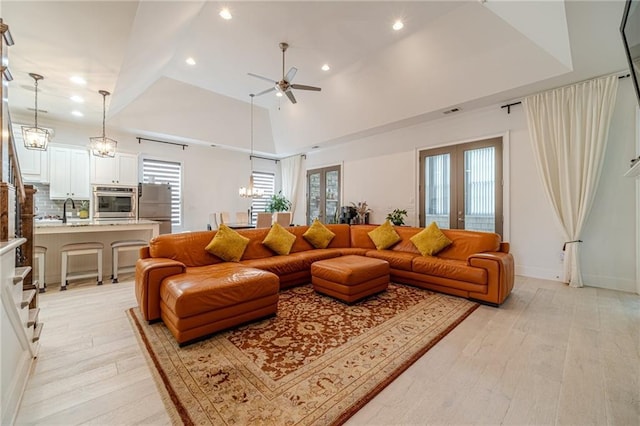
{"points": [[36, 137], [102, 146], [251, 191]]}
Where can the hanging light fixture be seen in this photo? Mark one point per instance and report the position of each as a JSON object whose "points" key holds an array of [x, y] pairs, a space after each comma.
{"points": [[251, 191], [102, 146], [36, 137]]}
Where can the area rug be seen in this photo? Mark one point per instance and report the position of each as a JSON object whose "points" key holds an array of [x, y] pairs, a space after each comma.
{"points": [[316, 363]]}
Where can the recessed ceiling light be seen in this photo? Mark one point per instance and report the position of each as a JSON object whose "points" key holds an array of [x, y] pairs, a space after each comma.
{"points": [[77, 113], [78, 80], [398, 25], [78, 99], [190, 61], [225, 14], [326, 67], [279, 94]]}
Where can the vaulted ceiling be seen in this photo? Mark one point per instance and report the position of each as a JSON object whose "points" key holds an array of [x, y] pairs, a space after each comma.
{"points": [[463, 54]]}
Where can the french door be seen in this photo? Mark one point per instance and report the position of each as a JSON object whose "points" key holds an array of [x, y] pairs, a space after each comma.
{"points": [[323, 194], [461, 186]]}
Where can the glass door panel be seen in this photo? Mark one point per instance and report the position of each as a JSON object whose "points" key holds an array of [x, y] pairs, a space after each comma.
{"points": [[437, 189], [332, 185], [314, 195], [479, 190]]}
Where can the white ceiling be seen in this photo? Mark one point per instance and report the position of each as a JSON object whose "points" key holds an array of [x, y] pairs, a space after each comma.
{"points": [[450, 53]]}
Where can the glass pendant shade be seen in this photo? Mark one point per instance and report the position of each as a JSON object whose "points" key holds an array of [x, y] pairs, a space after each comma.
{"points": [[35, 137], [251, 191], [102, 146]]}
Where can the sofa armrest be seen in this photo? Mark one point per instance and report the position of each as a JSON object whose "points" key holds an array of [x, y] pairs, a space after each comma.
{"points": [[144, 252], [500, 275], [504, 247], [149, 274]]}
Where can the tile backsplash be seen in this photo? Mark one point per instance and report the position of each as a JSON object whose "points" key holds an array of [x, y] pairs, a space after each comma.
{"points": [[46, 207]]}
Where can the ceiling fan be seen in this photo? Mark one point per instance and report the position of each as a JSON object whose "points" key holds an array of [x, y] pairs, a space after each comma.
{"points": [[284, 86]]}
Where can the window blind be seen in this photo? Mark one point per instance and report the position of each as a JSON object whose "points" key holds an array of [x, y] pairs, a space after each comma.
{"points": [[266, 182]]}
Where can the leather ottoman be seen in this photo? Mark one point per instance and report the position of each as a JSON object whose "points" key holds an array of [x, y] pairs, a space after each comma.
{"points": [[211, 299], [350, 278]]}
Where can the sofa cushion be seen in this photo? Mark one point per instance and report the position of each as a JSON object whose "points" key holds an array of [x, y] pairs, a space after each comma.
{"points": [[430, 240], [227, 244], [310, 256], [185, 247], [217, 286], [318, 235], [396, 259], [449, 268], [384, 236], [465, 243], [279, 239], [279, 265]]}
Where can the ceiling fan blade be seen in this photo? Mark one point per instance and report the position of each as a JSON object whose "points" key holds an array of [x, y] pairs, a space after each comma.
{"points": [[271, 89], [291, 74], [303, 87], [262, 78], [292, 98]]}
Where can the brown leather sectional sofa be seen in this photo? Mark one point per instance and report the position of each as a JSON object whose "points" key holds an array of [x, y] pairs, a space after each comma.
{"points": [[195, 293]]}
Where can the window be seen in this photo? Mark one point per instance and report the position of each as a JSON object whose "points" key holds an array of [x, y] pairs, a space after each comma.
{"points": [[159, 171], [461, 186], [266, 182]]}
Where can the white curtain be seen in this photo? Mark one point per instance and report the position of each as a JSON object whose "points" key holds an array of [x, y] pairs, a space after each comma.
{"points": [[568, 128], [290, 168]]}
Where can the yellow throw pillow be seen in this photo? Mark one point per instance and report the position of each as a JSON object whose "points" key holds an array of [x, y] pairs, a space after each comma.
{"points": [[430, 241], [318, 235], [227, 244], [279, 239], [384, 236]]}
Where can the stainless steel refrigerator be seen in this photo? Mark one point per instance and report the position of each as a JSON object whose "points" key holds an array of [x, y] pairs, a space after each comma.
{"points": [[154, 203]]}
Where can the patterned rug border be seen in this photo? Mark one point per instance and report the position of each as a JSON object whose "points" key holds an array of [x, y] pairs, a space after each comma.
{"points": [[401, 369], [179, 414]]}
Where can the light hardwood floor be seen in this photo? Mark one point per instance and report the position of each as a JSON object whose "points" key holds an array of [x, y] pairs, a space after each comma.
{"points": [[550, 355]]}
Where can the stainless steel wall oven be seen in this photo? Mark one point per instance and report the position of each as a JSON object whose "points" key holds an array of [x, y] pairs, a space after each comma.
{"points": [[114, 202]]}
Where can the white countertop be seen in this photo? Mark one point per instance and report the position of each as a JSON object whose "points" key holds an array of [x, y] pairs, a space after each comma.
{"points": [[49, 226]]}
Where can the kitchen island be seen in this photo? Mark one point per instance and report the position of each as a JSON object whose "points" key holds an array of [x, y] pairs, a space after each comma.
{"points": [[54, 234]]}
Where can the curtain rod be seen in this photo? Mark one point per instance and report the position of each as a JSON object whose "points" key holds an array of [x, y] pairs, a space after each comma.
{"points": [[264, 158], [183, 145], [508, 106]]}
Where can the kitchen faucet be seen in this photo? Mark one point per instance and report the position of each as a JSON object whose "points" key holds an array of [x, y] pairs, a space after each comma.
{"points": [[64, 209]]}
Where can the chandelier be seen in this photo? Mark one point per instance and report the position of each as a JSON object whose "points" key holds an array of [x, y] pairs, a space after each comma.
{"points": [[102, 146], [36, 137], [251, 191]]}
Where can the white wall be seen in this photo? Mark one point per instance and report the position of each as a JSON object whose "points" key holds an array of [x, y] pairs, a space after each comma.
{"points": [[382, 170]]}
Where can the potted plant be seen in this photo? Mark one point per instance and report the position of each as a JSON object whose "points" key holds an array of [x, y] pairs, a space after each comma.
{"points": [[83, 210], [278, 203], [397, 217], [362, 209]]}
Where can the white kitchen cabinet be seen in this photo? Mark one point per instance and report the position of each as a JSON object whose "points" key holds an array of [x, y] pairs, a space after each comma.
{"points": [[119, 170], [69, 173], [34, 164]]}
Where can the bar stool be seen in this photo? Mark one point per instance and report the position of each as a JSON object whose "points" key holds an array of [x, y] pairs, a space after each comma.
{"points": [[40, 257], [116, 248], [76, 250]]}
